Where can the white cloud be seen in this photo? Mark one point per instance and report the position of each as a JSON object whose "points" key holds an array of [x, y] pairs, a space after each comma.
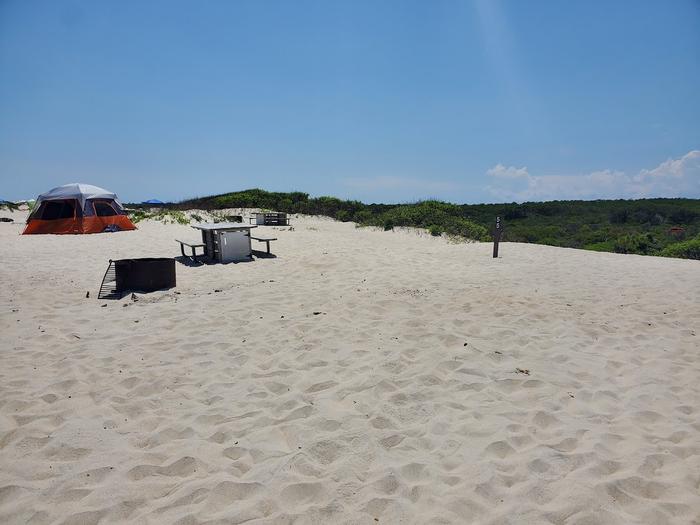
{"points": [[672, 178], [499, 170]]}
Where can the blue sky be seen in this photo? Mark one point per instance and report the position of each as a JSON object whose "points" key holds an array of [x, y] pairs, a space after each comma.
{"points": [[467, 101]]}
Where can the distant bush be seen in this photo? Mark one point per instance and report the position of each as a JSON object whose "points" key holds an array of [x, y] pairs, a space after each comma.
{"points": [[619, 216], [606, 246], [137, 215], [683, 250], [7, 205], [535, 234], [548, 209], [435, 230], [253, 198], [466, 228], [343, 215], [362, 216], [162, 215], [641, 244], [177, 216], [681, 216], [435, 216], [550, 241], [643, 215], [515, 213]]}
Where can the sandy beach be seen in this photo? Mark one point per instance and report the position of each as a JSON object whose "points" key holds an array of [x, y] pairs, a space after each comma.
{"points": [[361, 376]]}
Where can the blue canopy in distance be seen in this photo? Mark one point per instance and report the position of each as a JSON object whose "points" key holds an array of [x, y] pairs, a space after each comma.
{"points": [[153, 201]]}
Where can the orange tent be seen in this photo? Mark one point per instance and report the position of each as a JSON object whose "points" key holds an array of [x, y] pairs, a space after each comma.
{"points": [[77, 208]]}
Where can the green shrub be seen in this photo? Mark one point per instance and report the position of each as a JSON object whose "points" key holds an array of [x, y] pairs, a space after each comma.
{"points": [[550, 241], [606, 246], [437, 215], [464, 228], [683, 250], [641, 243], [164, 216], [342, 215], [178, 217], [683, 216], [435, 230], [515, 212], [137, 216], [363, 217], [10, 206], [619, 216]]}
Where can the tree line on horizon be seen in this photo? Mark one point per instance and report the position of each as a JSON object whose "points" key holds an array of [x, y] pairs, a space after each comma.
{"points": [[666, 227]]}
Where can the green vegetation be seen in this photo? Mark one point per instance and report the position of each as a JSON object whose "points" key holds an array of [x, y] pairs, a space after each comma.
{"points": [[667, 227], [217, 217], [683, 250], [439, 217], [165, 216], [436, 217], [10, 206], [14, 206]]}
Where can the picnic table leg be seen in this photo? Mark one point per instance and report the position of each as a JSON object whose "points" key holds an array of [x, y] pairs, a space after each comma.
{"points": [[268, 247], [192, 257]]}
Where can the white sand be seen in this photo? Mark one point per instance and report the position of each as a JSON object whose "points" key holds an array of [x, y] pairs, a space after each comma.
{"points": [[399, 403]]}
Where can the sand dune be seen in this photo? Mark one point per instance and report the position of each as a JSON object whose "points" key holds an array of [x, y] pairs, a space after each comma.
{"points": [[361, 376]]}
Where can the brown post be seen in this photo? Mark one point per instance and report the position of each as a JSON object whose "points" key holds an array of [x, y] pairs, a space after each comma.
{"points": [[497, 237]]}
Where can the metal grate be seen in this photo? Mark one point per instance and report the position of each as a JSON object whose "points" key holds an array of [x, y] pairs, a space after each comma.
{"points": [[108, 288]]}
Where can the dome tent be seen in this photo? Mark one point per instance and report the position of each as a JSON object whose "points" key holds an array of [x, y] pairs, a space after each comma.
{"points": [[77, 208]]}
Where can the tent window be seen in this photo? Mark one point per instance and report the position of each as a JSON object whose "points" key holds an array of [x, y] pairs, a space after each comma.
{"points": [[103, 209], [53, 210]]}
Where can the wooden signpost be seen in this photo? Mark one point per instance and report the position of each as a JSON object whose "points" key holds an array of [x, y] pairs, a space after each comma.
{"points": [[498, 230]]}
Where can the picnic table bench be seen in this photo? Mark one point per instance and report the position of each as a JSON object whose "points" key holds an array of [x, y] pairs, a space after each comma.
{"points": [[194, 256], [266, 240]]}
